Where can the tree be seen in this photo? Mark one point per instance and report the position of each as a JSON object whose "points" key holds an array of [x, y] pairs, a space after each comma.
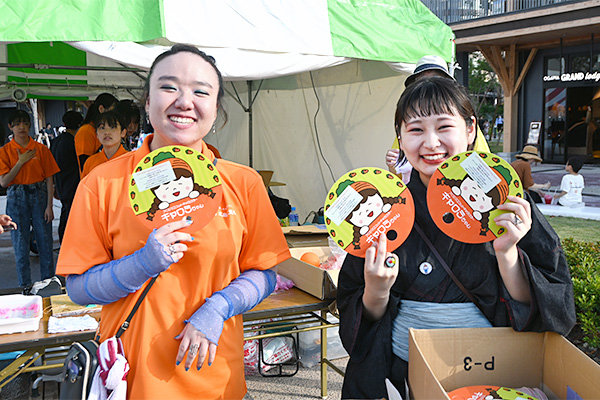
{"points": [[484, 87]]}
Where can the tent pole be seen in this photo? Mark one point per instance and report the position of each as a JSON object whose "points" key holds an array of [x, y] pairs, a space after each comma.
{"points": [[249, 111]]}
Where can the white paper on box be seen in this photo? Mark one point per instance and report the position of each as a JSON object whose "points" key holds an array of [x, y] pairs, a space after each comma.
{"points": [[343, 205], [154, 176], [480, 172]]}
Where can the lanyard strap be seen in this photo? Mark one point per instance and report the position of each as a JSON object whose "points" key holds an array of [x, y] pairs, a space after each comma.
{"points": [[445, 265], [125, 324]]}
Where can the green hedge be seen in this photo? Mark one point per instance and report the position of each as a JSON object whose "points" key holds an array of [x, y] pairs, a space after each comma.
{"points": [[584, 262]]}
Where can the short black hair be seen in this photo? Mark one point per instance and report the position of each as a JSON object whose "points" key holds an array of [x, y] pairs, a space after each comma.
{"points": [[105, 100], [72, 119], [19, 116], [576, 163], [129, 110], [111, 118]]}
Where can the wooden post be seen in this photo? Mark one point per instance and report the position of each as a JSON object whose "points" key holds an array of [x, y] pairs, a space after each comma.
{"points": [[505, 63]]}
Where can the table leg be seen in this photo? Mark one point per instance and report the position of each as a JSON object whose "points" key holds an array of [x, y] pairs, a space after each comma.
{"points": [[323, 358], [22, 362]]}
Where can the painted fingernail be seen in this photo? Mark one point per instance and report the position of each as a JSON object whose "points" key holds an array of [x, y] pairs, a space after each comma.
{"points": [[187, 369], [177, 362], [200, 367], [191, 238], [209, 363]]}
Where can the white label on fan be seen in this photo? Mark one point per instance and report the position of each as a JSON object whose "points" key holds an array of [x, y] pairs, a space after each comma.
{"points": [[154, 176], [480, 172], [343, 205]]}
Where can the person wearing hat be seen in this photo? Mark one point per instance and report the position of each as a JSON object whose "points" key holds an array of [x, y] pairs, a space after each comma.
{"points": [[522, 166], [427, 66]]}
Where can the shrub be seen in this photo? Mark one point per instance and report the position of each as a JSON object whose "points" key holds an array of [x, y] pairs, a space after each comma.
{"points": [[584, 262]]}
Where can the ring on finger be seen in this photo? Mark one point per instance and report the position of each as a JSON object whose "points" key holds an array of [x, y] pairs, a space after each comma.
{"points": [[171, 249], [194, 348], [517, 220], [390, 261]]}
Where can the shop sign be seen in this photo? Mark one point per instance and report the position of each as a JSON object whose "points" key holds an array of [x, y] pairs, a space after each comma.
{"points": [[574, 77]]}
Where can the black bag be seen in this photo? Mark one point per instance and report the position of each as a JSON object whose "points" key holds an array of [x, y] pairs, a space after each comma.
{"points": [[79, 369], [82, 360], [280, 205]]}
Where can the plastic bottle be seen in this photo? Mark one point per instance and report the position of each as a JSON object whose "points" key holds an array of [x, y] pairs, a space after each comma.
{"points": [[293, 217]]}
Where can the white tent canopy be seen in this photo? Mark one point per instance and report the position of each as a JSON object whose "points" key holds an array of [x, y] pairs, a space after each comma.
{"points": [[348, 46]]}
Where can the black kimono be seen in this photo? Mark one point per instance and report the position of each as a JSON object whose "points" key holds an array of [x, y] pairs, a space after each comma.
{"points": [[369, 343]]}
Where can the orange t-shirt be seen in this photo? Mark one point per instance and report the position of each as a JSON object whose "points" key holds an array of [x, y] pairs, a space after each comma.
{"points": [[40, 167], [243, 235], [98, 159], [86, 141]]}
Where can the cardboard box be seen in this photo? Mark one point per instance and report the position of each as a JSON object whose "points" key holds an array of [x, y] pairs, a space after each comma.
{"points": [[313, 280], [306, 235], [442, 360]]}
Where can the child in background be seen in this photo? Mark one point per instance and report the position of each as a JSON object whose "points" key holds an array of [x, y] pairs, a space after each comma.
{"points": [[86, 142], [131, 114], [521, 279], [26, 169], [110, 129], [66, 181], [571, 186]]}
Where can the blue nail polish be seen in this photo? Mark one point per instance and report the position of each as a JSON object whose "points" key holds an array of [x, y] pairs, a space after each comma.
{"points": [[199, 368], [178, 362], [187, 369], [209, 363], [191, 238]]}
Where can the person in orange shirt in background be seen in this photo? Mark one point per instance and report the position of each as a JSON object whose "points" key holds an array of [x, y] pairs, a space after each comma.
{"points": [[110, 129], [86, 141], [26, 169], [209, 276]]}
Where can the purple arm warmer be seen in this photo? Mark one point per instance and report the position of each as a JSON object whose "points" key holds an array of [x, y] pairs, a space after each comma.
{"points": [[106, 283], [241, 295]]}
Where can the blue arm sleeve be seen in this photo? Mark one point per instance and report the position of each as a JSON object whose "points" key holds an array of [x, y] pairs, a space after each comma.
{"points": [[241, 295], [106, 283]]}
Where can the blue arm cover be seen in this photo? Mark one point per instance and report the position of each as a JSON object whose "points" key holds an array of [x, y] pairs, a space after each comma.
{"points": [[241, 295], [105, 283]]}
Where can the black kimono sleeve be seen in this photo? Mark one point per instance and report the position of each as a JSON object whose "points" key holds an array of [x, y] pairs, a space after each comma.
{"points": [[545, 266], [369, 343]]}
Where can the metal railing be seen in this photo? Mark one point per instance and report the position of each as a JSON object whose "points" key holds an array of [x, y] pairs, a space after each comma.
{"points": [[451, 11]]}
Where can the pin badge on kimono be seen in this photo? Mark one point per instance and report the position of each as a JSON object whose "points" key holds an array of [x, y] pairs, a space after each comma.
{"points": [[366, 203], [174, 182], [425, 268], [465, 191]]}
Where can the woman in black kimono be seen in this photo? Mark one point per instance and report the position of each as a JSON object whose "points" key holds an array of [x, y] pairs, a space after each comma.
{"points": [[521, 279]]}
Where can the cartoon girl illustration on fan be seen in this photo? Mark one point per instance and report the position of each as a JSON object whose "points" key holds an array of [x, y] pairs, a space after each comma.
{"points": [[481, 203], [182, 187], [370, 207]]}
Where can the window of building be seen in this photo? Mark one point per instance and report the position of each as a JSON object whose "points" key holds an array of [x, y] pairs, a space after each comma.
{"points": [[553, 66], [579, 63]]}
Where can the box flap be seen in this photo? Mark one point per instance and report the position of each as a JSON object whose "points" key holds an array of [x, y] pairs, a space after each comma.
{"points": [[313, 280], [476, 356], [304, 230], [566, 365]]}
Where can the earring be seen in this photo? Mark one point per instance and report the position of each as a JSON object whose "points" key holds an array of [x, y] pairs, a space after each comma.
{"points": [[214, 128]]}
